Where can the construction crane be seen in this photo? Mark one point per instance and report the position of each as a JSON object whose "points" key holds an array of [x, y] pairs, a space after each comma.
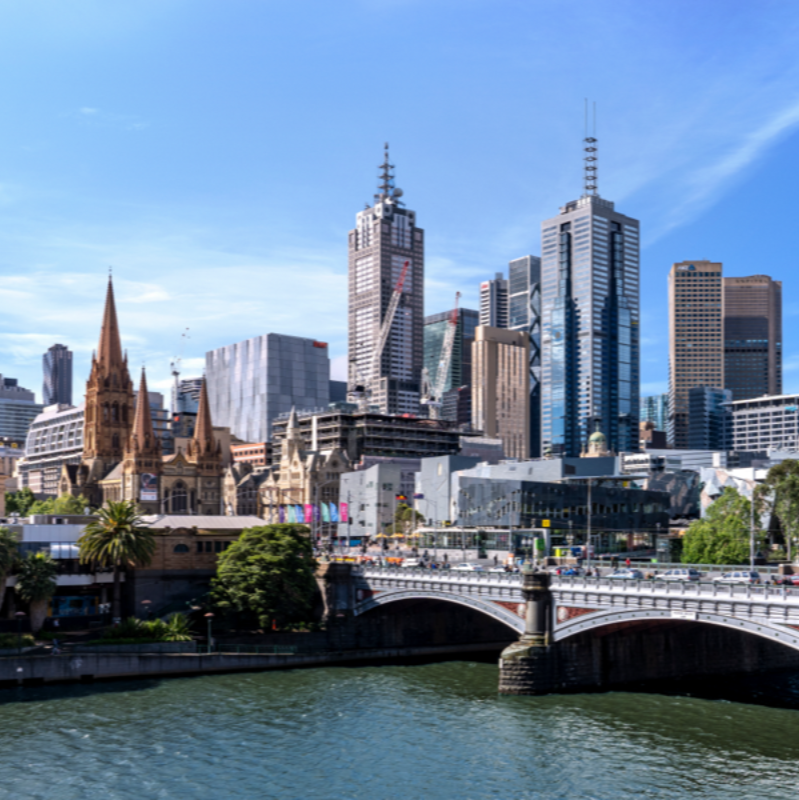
{"points": [[373, 370], [175, 368], [432, 394]]}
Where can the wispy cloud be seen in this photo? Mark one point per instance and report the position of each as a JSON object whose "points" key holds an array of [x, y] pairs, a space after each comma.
{"points": [[95, 117]]}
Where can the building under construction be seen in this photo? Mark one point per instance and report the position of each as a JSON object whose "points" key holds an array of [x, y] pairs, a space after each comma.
{"points": [[370, 433]]}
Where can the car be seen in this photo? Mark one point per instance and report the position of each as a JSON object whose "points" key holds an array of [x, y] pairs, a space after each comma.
{"points": [[467, 568], [786, 580], [738, 576], [570, 572], [412, 563], [626, 574], [497, 569], [686, 574]]}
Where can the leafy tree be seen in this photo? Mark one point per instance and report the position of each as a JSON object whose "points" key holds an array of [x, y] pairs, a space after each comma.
{"points": [[9, 555], [20, 502], [405, 519], [65, 504], [781, 491], [117, 536], [36, 583], [722, 535], [268, 575]]}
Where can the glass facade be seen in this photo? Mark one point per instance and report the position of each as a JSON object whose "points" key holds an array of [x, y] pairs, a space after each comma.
{"points": [[57, 369], [655, 408], [254, 381], [590, 328], [709, 418]]}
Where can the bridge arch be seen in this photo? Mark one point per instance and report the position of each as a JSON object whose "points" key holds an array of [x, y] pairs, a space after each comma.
{"points": [[493, 610], [775, 632]]}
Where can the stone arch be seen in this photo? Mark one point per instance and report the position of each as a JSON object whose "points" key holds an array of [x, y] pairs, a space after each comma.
{"points": [[781, 634], [497, 612]]}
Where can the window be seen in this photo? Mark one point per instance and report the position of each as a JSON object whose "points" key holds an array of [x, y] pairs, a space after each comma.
{"points": [[209, 547], [181, 548]]}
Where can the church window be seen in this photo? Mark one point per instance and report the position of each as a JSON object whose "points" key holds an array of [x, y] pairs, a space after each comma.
{"points": [[105, 412], [125, 413], [115, 413], [179, 498], [115, 441]]}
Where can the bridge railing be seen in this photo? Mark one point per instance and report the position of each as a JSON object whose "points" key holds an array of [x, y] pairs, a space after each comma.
{"points": [[447, 575], [683, 588]]}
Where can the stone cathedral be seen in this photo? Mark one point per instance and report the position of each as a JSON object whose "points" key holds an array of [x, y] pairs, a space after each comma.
{"points": [[122, 457]]}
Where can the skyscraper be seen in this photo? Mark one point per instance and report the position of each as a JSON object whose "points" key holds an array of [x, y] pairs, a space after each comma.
{"points": [[709, 418], [696, 339], [501, 388], [752, 336], [57, 367], [384, 240], [655, 409], [460, 368], [494, 302], [252, 382], [590, 333], [524, 314]]}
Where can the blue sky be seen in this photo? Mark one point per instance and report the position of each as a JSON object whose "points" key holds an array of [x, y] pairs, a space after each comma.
{"points": [[216, 153]]}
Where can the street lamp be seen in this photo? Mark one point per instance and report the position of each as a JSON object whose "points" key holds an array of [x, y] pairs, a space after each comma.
{"points": [[210, 617], [19, 615], [146, 604]]}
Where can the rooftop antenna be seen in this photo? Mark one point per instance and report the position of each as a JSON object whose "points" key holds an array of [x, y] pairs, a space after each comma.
{"points": [[590, 157]]}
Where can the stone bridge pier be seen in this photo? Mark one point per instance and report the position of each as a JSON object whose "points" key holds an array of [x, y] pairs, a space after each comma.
{"points": [[634, 651]]}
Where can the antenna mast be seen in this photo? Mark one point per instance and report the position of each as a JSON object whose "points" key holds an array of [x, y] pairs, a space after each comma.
{"points": [[590, 157]]}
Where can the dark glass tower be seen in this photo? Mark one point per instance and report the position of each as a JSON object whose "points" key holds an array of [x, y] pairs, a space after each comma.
{"points": [[57, 367]]}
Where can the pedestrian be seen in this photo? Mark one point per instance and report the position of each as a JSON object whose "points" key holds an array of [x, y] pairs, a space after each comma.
{"points": [[496, 561], [628, 562]]}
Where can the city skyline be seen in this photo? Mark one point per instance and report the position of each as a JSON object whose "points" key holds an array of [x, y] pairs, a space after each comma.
{"points": [[97, 171]]}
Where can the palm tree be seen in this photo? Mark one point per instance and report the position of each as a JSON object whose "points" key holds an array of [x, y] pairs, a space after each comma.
{"points": [[117, 537], [9, 554], [36, 583]]}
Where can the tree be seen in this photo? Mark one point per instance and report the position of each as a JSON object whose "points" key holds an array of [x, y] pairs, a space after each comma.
{"points": [[19, 502], [722, 536], [781, 490], [268, 576], [65, 504], [36, 583], [9, 555], [117, 536]]}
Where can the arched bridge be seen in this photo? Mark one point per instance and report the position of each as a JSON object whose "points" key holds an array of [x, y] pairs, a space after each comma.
{"points": [[631, 630], [582, 604]]}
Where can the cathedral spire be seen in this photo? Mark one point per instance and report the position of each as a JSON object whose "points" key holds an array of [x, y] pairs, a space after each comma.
{"points": [[203, 430], [142, 435], [109, 353]]}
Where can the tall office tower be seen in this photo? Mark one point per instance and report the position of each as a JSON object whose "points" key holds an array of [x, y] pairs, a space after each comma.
{"points": [[590, 333], [752, 336], [501, 388], [384, 240], [655, 409], [186, 395], [456, 404], [252, 382], [696, 339], [494, 302], [709, 418], [57, 367], [524, 314], [18, 409]]}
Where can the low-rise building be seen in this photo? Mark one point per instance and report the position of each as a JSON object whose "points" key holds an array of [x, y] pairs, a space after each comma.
{"points": [[763, 423], [258, 454]]}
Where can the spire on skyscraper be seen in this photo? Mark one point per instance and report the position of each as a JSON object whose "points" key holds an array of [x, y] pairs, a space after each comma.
{"points": [[590, 158]]}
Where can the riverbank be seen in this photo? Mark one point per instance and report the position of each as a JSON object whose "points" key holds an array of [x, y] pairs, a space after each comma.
{"points": [[38, 670]]}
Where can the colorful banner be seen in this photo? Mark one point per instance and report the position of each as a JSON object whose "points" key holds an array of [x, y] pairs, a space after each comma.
{"points": [[308, 516], [281, 514], [315, 513], [325, 513], [292, 514], [333, 513], [149, 488], [342, 507]]}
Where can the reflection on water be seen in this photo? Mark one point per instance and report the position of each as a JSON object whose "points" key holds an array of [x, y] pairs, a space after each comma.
{"points": [[438, 731]]}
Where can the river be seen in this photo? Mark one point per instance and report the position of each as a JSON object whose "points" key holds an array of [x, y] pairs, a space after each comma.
{"points": [[385, 733]]}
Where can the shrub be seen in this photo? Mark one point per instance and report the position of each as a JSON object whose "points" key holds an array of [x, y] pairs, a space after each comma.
{"points": [[175, 629], [9, 640]]}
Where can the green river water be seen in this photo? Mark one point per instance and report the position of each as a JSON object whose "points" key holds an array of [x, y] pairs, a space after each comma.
{"points": [[434, 731]]}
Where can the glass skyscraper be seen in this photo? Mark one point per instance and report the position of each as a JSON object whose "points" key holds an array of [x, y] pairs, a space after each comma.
{"points": [[57, 368], [590, 332], [655, 409]]}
